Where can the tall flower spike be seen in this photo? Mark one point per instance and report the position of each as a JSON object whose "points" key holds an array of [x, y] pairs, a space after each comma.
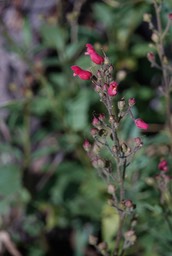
{"points": [[81, 73], [141, 124], [94, 56]]}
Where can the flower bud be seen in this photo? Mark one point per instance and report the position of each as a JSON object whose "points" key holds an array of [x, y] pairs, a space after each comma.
{"points": [[104, 88], [106, 60], [128, 203], [111, 189], [112, 90], [121, 104], [97, 88], [131, 102], [124, 147], [138, 142], [95, 121], [87, 146], [151, 56], [130, 237], [101, 117], [170, 16], [147, 17], [98, 163], [141, 124], [163, 165], [111, 119], [155, 38], [94, 132]]}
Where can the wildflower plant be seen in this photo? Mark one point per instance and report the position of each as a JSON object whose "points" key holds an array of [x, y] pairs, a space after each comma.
{"points": [[159, 57], [112, 165]]}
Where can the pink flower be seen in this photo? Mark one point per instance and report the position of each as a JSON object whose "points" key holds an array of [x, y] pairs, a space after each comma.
{"points": [[87, 145], [81, 73], [131, 102], [163, 166], [141, 124], [94, 56], [101, 117], [151, 56], [112, 90], [90, 49], [95, 121], [170, 16], [94, 132]]}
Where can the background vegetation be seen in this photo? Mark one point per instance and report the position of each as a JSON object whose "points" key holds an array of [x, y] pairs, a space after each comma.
{"points": [[51, 197]]}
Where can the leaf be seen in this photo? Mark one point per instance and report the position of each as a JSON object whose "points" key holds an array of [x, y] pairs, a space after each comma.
{"points": [[78, 110], [27, 34], [74, 49], [140, 50], [102, 10], [41, 105], [10, 181], [110, 224], [54, 36]]}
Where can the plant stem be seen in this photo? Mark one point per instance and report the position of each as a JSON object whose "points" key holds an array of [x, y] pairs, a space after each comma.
{"points": [[161, 53]]}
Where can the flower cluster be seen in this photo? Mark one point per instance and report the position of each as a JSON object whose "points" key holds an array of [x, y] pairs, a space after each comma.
{"points": [[163, 165], [162, 179], [106, 87]]}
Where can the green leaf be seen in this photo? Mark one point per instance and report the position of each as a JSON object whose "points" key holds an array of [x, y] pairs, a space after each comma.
{"points": [[140, 50], [10, 181], [103, 11], [110, 224], [54, 37], [27, 34], [78, 110]]}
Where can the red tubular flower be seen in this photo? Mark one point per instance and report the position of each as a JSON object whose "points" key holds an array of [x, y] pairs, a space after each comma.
{"points": [[141, 124], [90, 49], [94, 56], [81, 73], [112, 90], [163, 166]]}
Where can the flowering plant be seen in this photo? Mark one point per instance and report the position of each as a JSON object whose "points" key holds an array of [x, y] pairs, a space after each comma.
{"points": [[105, 133]]}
